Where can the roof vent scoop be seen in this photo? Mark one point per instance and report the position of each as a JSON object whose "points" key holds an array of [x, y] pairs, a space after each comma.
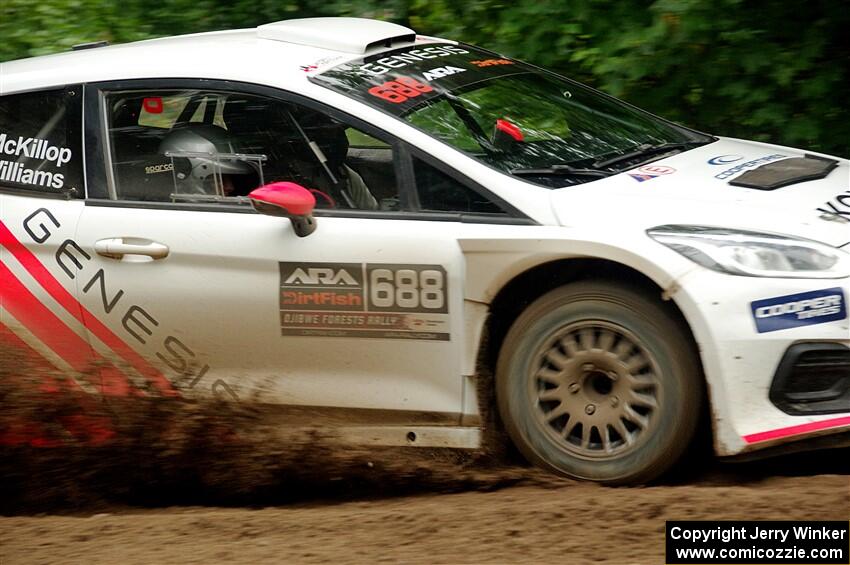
{"points": [[351, 35]]}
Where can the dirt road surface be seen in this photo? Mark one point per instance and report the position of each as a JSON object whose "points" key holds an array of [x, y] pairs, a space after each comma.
{"points": [[514, 515], [180, 481]]}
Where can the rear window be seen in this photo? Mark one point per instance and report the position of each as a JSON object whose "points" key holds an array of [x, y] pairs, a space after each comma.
{"points": [[40, 147]]}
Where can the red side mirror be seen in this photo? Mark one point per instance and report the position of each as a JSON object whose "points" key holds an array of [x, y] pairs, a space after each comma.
{"points": [[288, 200]]}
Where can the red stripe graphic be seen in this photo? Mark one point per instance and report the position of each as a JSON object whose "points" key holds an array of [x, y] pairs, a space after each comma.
{"points": [[21, 424], [18, 427], [53, 332], [14, 430], [44, 324], [40, 273], [798, 429], [74, 350], [19, 353]]}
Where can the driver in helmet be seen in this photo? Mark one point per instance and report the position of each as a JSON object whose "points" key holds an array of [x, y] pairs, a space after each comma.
{"points": [[203, 162], [332, 176]]}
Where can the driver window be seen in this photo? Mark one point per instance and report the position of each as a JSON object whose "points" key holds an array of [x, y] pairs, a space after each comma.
{"points": [[439, 192], [197, 146]]}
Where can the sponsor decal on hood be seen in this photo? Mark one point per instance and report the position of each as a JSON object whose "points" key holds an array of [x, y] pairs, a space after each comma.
{"points": [[649, 172], [748, 165], [724, 159], [838, 208]]}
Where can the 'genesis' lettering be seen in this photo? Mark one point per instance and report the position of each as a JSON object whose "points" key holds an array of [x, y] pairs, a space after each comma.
{"points": [[386, 64], [135, 320]]}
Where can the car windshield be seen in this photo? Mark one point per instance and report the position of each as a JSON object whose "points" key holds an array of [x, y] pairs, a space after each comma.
{"points": [[514, 117]]}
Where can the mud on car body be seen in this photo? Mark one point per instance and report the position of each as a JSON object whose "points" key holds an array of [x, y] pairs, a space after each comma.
{"points": [[341, 215]]}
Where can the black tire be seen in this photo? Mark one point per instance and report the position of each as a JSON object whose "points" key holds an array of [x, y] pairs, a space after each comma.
{"points": [[564, 366]]}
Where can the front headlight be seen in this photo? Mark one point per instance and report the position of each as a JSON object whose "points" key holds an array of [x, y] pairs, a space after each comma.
{"points": [[754, 254]]}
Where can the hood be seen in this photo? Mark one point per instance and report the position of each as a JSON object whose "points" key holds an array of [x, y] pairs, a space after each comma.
{"points": [[694, 188]]}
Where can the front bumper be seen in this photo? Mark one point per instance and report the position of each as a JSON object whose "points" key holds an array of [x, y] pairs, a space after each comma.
{"points": [[813, 379], [745, 328]]}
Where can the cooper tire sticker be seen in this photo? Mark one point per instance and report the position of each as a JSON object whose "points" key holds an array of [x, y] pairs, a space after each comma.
{"points": [[796, 310]]}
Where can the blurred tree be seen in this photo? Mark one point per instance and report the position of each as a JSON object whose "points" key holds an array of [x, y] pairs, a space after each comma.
{"points": [[759, 69]]}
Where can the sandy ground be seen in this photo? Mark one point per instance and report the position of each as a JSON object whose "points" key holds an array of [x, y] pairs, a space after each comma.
{"points": [[187, 482], [515, 515]]}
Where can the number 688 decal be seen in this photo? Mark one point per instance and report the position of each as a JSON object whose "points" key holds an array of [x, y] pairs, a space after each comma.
{"points": [[407, 288]]}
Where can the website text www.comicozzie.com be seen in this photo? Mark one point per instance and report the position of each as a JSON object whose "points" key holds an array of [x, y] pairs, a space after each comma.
{"points": [[765, 542], [688, 554]]}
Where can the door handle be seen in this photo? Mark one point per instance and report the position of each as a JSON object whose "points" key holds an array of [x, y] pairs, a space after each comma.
{"points": [[117, 247]]}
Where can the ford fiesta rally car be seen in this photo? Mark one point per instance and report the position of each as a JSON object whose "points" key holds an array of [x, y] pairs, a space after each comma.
{"points": [[338, 214]]}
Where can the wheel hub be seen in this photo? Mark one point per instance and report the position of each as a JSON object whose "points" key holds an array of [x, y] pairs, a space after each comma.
{"points": [[595, 389]]}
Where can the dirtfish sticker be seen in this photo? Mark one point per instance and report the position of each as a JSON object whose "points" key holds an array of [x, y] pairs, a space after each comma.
{"points": [[371, 300], [795, 310], [36, 149]]}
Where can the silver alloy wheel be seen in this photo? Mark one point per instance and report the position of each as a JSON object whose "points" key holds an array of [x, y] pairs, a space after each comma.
{"points": [[595, 389]]}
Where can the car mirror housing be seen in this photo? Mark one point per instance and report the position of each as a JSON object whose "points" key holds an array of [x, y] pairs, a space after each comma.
{"points": [[288, 200], [506, 135]]}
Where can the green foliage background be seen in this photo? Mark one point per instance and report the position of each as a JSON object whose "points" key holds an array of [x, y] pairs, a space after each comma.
{"points": [[758, 69]]}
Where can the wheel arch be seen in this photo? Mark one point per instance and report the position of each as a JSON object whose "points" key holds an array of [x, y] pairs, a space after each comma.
{"points": [[520, 290], [532, 283]]}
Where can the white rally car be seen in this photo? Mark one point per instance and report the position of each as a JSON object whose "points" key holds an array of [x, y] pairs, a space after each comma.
{"points": [[344, 221]]}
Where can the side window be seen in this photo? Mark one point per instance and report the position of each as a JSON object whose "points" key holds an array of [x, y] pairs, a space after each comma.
{"points": [[40, 141], [207, 146], [439, 192], [346, 168], [165, 111]]}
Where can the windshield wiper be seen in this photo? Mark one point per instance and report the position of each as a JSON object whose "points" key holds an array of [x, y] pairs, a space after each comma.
{"points": [[561, 170], [647, 150]]}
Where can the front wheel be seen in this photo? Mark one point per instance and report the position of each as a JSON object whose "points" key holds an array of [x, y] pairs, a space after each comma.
{"points": [[596, 381]]}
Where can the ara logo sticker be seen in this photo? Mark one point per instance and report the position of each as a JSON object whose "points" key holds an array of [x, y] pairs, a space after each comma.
{"points": [[724, 159], [649, 172], [795, 310], [322, 276], [389, 301], [441, 72]]}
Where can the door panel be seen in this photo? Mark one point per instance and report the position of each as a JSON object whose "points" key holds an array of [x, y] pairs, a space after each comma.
{"points": [[209, 314], [38, 286]]}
